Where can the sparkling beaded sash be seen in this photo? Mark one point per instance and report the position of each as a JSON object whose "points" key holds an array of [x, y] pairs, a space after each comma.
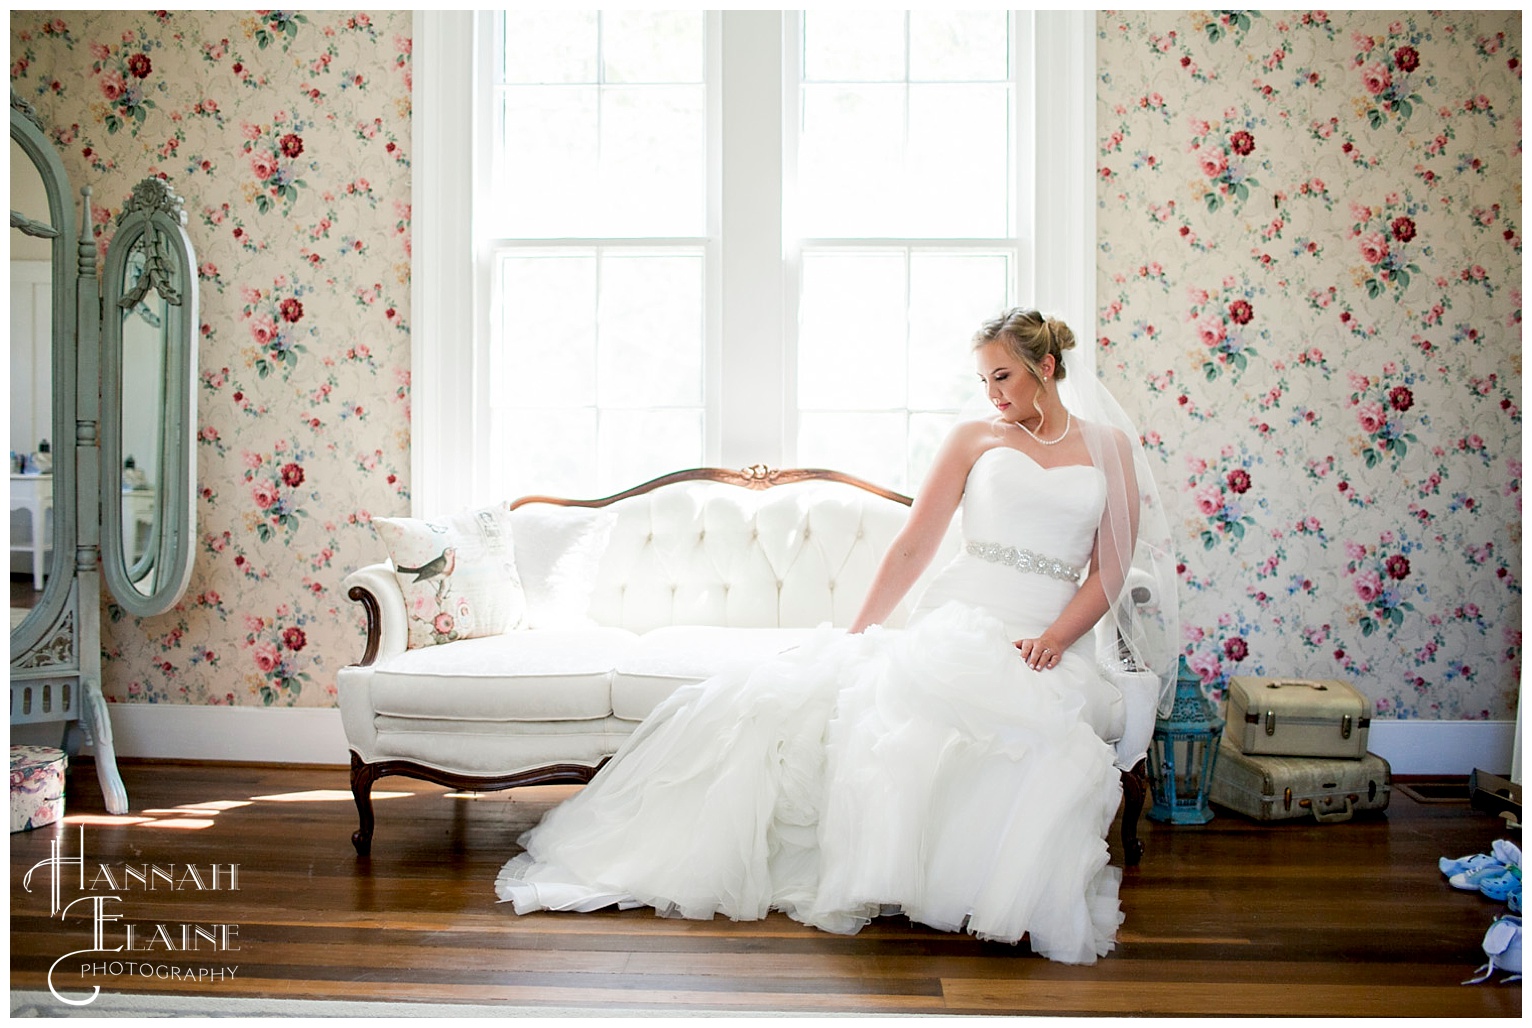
{"points": [[1024, 560]]}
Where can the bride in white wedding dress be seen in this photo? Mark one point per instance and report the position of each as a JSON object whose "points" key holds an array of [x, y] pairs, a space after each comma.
{"points": [[953, 771]]}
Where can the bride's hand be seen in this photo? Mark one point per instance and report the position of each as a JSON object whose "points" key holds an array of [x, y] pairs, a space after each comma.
{"points": [[1040, 653]]}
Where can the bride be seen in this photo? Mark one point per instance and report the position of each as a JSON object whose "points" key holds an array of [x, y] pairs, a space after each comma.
{"points": [[953, 771]]}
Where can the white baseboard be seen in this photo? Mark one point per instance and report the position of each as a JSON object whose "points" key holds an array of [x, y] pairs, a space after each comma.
{"points": [[308, 735], [281, 735]]}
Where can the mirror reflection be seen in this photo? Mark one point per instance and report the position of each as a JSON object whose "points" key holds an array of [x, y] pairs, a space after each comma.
{"points": [[32, 242], [144, 327]]}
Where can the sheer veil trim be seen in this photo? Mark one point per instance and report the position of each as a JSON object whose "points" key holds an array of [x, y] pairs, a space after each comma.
{"points": [[1135, 541]]}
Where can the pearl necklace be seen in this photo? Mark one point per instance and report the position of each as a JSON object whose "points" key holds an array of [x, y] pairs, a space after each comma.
{"points": [[1068, 420]]}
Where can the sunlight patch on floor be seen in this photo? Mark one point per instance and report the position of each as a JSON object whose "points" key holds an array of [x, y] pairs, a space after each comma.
{"points": [[325, 796], [521, 794]]}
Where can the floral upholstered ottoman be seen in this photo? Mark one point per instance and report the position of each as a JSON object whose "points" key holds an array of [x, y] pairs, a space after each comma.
{"points": [[37, 786]]}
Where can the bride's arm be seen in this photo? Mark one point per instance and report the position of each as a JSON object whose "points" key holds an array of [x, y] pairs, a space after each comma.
{"points": [[1110, 558], [930, 515]]}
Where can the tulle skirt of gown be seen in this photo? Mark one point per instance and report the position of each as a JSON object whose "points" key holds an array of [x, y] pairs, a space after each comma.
{"points": [[926, 769]]}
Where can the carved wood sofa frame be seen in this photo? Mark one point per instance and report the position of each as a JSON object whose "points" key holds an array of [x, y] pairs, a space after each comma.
{"points": [[757, 476]]}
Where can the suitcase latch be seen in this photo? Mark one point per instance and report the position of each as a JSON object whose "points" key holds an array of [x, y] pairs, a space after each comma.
{"points": [[1271, 722], [1345, 727]]}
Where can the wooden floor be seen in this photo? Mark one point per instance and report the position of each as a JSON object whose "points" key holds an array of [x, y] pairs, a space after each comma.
{"points": [[1231, 919]]}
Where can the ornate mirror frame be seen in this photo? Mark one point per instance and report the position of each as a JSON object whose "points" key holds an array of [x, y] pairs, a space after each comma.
{"points": [[152, 226], [50, 628]]}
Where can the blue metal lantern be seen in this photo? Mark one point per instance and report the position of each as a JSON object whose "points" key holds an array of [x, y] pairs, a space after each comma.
{"points": [[1183, 753]]}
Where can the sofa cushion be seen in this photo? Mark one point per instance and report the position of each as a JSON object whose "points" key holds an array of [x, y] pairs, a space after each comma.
{"points": [[558, 551], [458, 574], [667, 658], [551, 674]]}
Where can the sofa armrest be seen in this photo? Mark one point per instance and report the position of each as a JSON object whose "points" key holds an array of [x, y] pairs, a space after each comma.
{"points": [[376, 588]]}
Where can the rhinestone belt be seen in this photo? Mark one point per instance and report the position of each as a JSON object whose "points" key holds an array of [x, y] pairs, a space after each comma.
{"points": [[1024, 560]]}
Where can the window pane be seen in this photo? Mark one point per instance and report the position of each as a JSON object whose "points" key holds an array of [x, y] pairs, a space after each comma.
{"points": [[851, 161], [852, 332], [549, 160], [871, 446], [545, 353], [958, 167], [652, 46], [959, 46], [591, 158], [637, 445], [927, 433], [651, 339], [549, 452], [951, 295], [923, 155], [853, 46], [549, 46], [653, 162]]}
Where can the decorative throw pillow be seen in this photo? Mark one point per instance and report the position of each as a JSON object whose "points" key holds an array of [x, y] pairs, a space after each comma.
{"points": [[458, 574], [559, 550]]}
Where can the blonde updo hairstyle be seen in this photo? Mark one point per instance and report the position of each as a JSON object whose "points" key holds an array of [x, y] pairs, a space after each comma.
{"points": [[1028, 337]]}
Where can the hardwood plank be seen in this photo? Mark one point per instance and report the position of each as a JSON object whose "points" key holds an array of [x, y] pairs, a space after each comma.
{"points": [[1233, 918]]}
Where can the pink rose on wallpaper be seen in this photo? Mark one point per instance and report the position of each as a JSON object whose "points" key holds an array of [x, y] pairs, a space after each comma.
{"points": [[1209, 500], [1374, 247], [1371, 417], [1206, 665], [112, 85], [263, 330], [267, 658], [1375, 78], [1368, 586], [1211, 330], [100, 51], [264, 164], [1214, 162], [264, 494]]}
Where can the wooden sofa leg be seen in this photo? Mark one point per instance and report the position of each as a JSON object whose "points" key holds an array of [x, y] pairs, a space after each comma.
{"points": [[362, 777], [1135, 786]]}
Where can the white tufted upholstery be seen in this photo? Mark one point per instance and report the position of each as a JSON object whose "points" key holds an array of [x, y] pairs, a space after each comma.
{"points": [[707, 553]]}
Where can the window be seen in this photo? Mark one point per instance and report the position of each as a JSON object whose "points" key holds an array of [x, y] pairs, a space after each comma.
{"points": [[664, 239], [908, 235], [597, 208]]}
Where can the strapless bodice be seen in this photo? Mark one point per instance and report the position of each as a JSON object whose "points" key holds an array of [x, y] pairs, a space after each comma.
{"points": [[1012, 506], [1012, 500]]}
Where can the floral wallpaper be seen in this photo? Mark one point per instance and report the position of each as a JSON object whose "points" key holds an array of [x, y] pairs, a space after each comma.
{"points": [[1309, 271], [288, 135]]}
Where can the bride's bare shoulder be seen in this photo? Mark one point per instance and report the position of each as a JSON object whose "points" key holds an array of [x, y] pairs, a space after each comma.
{"points": [[1104, 433]]}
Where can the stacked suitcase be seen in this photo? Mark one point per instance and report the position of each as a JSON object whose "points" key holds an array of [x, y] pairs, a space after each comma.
{"points": [[1297, 748]]}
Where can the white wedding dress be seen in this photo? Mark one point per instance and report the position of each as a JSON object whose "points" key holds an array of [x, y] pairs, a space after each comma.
{"points": [[926, 770]]}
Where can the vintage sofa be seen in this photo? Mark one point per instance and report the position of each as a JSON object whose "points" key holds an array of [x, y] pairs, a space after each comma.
{"points": [[629, 597]]}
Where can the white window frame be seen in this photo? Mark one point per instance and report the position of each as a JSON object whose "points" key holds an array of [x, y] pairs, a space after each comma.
{"points": [[752, 274]]}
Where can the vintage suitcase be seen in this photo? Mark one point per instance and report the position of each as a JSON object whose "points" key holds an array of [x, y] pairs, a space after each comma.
{"points": [[1295, 717], [1280, 788]]}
